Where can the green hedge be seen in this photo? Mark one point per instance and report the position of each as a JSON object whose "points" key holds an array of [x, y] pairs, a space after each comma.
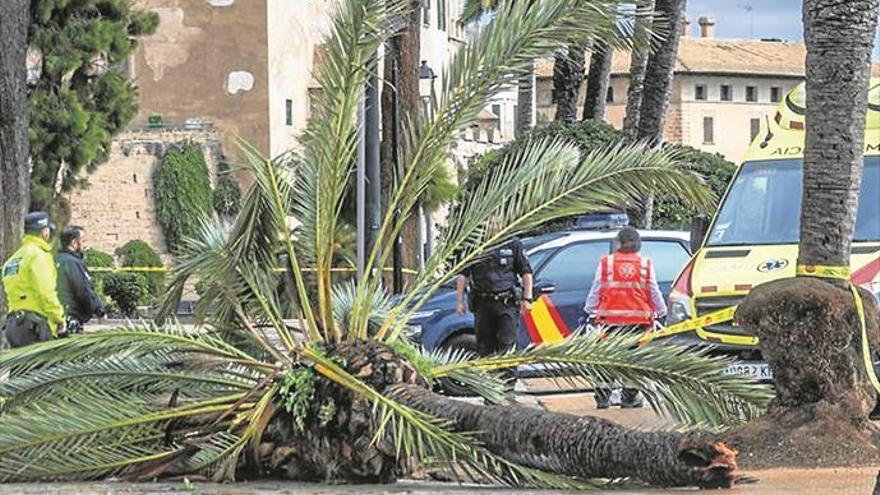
{"points": [[139, 253], [182, 194], [127, 290], [591, 135]]}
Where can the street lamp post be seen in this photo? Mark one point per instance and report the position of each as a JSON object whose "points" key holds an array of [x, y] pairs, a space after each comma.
{"points": [[428, 95]]}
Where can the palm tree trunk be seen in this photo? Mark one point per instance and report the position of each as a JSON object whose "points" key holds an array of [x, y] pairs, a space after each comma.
{"points": [[14, 173], [637, 68], [585, 447], [525, 102], [598, 80], [568, 77], [658, 78], [808, 328]]}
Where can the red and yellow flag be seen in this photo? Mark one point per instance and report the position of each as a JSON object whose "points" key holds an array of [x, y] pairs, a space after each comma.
{"points": [[544, 323]]}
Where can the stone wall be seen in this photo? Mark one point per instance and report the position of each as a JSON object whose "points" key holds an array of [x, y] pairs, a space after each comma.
{"points": [[117, 206]]}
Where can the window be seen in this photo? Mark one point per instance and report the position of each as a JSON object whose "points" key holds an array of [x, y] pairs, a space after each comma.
{"points": [[700, 92], [426, 12], [751, 93], [288, 109], [441, 14], [775, 94], [609, 96], [764, 205], [667, 258], [496, 110], [573, 267], [708, 130], [726, 92], [756, 127]]}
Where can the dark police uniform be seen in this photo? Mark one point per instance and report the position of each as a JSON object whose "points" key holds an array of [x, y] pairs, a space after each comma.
{"points": [[75, 288], [494, 299]]}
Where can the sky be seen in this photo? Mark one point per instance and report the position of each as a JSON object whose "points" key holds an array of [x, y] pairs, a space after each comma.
{"points": [[767, 19]]}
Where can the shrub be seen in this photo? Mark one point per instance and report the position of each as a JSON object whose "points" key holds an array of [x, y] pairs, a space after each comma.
{"points": [[182, 193], [139, 253], [94, 258], [591, 135], [127, 290], [227, 194]]}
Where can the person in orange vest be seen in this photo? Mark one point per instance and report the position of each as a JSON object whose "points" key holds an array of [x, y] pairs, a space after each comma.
{"points": [[625, 297]]}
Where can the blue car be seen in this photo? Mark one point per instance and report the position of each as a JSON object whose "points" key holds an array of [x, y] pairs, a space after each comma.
{"points": [[564, 264]]}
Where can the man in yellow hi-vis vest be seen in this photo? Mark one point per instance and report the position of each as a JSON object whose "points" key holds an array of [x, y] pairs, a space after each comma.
{"points": [[29, 280]]}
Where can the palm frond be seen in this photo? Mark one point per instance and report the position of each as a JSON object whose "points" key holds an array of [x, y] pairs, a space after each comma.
{"points": [[421, 436], [678, 381], [543, 181]]}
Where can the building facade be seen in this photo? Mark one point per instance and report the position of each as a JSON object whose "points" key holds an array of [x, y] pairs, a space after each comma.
{"points": [[721, 89]]}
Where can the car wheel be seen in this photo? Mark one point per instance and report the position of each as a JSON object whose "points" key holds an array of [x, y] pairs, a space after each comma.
{"points": [[466, 342]]}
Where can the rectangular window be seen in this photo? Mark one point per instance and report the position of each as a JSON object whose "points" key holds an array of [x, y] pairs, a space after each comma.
{"points": [[756, 127], [496, 110], [751, 93], [708, 130], [441, 14], [700, 92], [426, 12], [775, 94], [288, 104], [726, 92], [609, 97]]}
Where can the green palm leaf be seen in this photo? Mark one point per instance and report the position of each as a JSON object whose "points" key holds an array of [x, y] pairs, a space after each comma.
{"points": [[678, 381]]}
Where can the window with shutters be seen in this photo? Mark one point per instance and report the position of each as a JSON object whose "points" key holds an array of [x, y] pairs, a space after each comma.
{"points": [[708, 130]]}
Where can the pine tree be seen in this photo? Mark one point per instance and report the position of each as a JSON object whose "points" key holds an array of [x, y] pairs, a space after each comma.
{"points": [[79, 94]]}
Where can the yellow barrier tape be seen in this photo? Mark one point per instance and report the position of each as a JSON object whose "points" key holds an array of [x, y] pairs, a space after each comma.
{"points": [[819, 271], [720, 316], [866, 351], [165, 269]]}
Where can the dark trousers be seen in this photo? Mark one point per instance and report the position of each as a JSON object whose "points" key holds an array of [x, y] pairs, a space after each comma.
{"points": [[24, 328], [627, 395], [495, 323]]}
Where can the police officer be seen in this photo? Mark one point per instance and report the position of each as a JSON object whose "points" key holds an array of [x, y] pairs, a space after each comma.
{"points": [[625, 296], [30, 280], [494, 298], [75, 289]]}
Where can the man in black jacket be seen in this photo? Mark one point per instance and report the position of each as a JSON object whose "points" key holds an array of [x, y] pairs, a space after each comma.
{"points": [[75, 288]]}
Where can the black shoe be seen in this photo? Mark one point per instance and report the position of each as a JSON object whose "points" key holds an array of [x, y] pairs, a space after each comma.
{"points": [[602, 405], [603, 398], [636, 404]]}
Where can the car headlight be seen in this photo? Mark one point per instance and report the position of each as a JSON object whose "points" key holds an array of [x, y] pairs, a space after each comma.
{"points": [[679, 308], [424, 315], [413, 332]]}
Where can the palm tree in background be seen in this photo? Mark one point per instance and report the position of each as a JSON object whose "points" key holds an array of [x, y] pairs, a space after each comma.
{"points": [[322, 384]]}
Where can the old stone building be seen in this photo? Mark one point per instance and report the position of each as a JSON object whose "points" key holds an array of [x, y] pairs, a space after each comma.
{"points": [[721, 91], [213, 72]]}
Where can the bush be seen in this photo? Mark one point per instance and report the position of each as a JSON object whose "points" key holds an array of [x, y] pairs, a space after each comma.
{"points": [[127, 290], [227, 194], [140, 254], [182, 193], [94, 258], [591, 135]]}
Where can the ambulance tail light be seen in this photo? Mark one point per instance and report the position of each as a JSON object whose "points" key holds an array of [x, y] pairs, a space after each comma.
{"points": [[682, 284], [680, 296]]}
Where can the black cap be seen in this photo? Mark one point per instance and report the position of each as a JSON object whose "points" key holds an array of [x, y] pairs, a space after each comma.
{"points": [[37, 220]]}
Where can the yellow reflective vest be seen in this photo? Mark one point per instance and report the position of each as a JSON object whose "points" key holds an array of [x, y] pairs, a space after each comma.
{"points": [[29, 280]]}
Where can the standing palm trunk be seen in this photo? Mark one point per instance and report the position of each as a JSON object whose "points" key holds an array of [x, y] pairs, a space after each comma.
{"points": [[525, 101], [14, 177], [659, 74], [568, 77], [598, 80], [637, 68], [808, 327]]}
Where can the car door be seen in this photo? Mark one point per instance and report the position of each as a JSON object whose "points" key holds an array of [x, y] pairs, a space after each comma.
{"points": [[668, 256], [566, 278]]}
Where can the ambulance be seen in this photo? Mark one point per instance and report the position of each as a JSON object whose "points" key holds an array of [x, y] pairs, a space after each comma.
{"points": [[753, 238]]}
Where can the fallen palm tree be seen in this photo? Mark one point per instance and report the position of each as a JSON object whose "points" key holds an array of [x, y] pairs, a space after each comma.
{"points": [[243, 397]]}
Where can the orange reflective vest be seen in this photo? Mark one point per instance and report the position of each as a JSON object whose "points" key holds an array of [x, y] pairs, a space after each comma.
{"points": [[625, 294]]}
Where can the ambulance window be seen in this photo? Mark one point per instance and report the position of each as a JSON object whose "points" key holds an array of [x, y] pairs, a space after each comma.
{"points": [[574, 266], [868, 217], [775, 94]]}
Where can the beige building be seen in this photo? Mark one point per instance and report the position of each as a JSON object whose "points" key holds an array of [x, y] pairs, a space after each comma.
{"points": [[214, 71], [721, 91]]}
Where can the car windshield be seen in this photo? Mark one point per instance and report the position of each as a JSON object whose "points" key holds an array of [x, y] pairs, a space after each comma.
{"points": [[764, 205]]}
